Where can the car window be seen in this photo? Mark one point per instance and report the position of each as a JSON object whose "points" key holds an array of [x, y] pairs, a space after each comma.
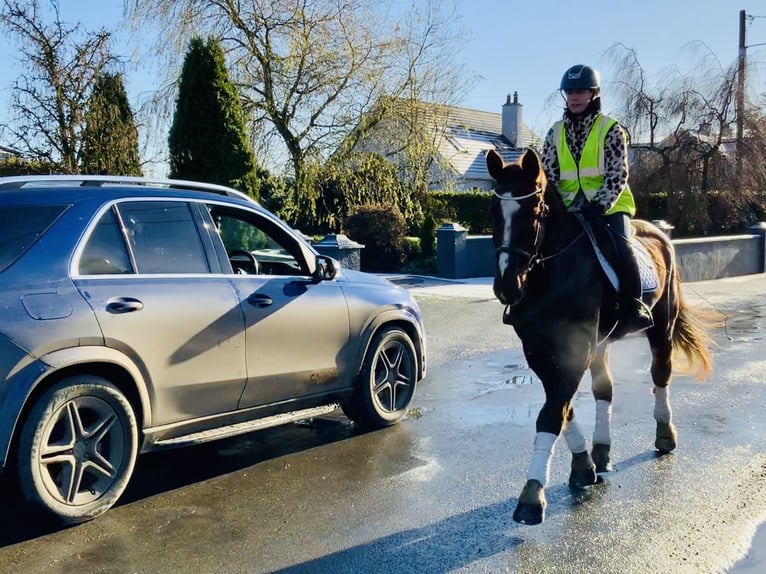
{"points": [[256, 245], [105, 252], [164, 237], [20, 226]]}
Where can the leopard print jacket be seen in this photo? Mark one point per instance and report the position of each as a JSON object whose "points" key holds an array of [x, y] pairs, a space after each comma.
{"points": [[615, 158]]}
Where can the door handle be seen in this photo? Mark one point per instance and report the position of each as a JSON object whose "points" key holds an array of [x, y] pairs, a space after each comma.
{"points": [[120, 305], [258, 300]]}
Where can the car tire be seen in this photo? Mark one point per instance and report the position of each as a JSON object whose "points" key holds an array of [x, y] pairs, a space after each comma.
{"points": [[386, 382], [77, 448]]}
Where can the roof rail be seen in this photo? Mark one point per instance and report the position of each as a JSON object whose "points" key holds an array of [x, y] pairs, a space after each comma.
{"points": [[31, 181]]}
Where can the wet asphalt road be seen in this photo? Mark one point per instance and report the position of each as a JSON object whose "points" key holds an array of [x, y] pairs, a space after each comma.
{"points": [[436, 492]]}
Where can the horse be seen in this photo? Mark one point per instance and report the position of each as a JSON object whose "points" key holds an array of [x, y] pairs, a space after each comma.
{"points": [[562, 307]]}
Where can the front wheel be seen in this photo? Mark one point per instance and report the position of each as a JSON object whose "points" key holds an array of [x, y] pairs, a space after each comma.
{"points": [[77, 448], [386, 383]]}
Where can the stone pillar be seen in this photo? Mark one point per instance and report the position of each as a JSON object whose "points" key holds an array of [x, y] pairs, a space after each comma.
{"points": [[760, 229], [664, 226], [340, 247], [451, 251]]}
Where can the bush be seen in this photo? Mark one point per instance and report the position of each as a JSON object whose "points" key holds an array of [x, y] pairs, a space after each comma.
{"points": [[381, 229], [470, 209]]}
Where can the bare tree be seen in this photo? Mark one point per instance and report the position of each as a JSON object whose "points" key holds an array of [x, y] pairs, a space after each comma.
{"points": [[681, 131], [50, 97], [312, 71]]}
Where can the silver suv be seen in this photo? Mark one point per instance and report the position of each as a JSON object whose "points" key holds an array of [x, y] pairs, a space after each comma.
{"points": [[139, 315]]}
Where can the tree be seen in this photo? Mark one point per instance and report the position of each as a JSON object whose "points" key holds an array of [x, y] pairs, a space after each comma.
{"points": [[207, 140], [49, 99], [311, 70], [110, 137], [681, 135]]}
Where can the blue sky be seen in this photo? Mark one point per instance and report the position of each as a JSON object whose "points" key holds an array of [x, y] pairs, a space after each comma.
{"points": [[526, 46]]}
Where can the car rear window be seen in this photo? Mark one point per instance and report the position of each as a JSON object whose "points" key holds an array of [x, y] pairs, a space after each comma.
{"points": [[21, 226]]}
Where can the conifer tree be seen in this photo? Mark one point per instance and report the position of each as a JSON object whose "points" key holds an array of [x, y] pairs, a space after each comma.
{"points": [[207, 140], [110, 137]]}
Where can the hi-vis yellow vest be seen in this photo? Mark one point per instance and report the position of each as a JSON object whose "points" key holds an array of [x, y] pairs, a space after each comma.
{"points": [[589, 174]]}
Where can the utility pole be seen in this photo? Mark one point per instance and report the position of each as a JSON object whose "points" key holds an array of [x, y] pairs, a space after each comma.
{"points": [[741, 88]]}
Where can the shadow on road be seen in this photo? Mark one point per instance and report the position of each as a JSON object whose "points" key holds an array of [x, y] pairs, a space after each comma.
{"points": [[159, 472]]}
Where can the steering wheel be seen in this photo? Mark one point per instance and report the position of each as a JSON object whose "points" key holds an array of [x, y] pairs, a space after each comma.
{"points": [[252, 267]]}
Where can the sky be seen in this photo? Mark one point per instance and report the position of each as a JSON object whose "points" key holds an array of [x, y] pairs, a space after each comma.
{"points": [[524, 46]]}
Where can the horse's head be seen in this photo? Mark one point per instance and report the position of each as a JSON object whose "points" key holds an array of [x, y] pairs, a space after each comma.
{"points": [[518, 211]]}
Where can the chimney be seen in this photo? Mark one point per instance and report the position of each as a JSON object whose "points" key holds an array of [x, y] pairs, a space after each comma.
{"points": [[512, 120]]}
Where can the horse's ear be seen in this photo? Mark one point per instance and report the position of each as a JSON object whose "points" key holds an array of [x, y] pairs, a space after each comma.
{"points": [[530, 163], [494, 164]]}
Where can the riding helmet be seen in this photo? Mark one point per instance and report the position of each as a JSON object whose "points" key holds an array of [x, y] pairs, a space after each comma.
{"points": [[580, 77]]}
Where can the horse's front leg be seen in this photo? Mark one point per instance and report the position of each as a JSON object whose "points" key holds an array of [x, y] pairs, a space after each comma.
{"points": [[550, 422], [602, 387]]}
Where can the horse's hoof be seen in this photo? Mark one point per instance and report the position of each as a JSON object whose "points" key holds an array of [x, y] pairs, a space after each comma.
{"points": [[666, 438], [583, 471], [600, 456], [531, 507]]}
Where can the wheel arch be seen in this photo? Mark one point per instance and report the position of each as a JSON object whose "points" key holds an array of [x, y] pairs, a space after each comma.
{"points": [[125, 377], [412, 330]]}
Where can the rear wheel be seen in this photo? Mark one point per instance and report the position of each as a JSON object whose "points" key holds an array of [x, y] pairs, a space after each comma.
{"points": [[386, 384], [77, 448]]}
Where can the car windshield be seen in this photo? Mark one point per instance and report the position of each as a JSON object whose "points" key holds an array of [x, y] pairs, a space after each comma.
{"points": [[20, 226]]}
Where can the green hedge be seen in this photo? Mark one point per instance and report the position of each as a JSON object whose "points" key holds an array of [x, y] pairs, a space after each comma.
{"points": [[470, 209]]}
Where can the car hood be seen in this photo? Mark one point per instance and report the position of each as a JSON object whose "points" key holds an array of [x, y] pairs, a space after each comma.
{"points": [[351, 275]]}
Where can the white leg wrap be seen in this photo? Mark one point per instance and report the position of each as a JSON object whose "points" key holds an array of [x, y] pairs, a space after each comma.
{"points": [[662, 412], [602, 432], [540, 467], [574, 437]]}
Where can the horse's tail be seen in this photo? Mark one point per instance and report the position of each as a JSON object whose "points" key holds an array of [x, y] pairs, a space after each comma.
{"points": [[691, 336]]}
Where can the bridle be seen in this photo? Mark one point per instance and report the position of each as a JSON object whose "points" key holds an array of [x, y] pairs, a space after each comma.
{"points": [[532, 258], [536, 258]]}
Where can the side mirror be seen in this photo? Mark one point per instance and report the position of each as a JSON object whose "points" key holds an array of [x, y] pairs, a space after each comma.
{"points": [[325, 268]]}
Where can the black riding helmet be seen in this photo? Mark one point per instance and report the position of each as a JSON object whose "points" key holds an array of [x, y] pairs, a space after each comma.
{"points": [[581, 77]]}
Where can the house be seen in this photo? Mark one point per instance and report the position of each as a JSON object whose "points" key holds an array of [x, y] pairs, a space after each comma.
{"points": [[469, 134], [7, 153], [459, 138]]}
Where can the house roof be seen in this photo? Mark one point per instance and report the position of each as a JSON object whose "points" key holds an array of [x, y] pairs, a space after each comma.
{"points": [[470, 134]]}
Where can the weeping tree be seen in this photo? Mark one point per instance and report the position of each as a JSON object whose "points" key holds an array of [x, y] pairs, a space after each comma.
{"points": [[50, 97], [207, 140], [311, 71], [681, 133], [110, 137]]}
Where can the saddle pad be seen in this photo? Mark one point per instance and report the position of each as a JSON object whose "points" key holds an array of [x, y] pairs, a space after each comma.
{"points": [[650, 280]]}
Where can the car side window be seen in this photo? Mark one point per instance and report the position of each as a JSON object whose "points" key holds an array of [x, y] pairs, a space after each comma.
{"points": [[106, 252], [255, 246], [164, 237]]}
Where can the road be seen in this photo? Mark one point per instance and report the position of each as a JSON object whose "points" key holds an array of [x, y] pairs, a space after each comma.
{"points": [[436, 492]]}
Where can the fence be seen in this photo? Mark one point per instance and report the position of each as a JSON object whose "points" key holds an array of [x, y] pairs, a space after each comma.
{"points": [[459, 255]]}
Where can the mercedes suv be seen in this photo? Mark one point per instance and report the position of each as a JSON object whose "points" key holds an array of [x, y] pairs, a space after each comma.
{"points": [[139, 315]]}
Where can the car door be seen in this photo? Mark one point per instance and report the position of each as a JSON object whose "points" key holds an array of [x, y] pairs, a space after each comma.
{"points": [[146, 272], [296, 327]]}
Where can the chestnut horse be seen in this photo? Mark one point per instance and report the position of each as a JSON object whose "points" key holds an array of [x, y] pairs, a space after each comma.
{"points": [[562, 307]]}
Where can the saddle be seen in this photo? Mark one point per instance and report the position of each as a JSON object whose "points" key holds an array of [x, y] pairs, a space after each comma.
{"points": [[650, 279]]}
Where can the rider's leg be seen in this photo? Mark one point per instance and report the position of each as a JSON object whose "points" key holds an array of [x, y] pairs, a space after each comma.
{"points": [[632, 312]]}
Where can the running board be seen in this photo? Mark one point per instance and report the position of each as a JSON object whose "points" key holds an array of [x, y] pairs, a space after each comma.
{"points": [[243, 427]]}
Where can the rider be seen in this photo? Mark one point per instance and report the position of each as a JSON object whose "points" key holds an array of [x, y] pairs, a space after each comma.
{"points": [[586, 155]]}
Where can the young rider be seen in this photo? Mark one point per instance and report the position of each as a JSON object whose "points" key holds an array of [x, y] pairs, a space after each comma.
{"points": [[586, 156]]}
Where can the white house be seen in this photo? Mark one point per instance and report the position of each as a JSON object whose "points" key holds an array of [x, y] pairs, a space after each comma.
{"points": [[469, 134]]}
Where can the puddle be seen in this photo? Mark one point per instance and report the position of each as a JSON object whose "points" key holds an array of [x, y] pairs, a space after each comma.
{"points": [[745, 325]]}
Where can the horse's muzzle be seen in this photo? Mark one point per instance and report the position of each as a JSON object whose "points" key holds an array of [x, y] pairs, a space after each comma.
{"points": [[508, 291]]}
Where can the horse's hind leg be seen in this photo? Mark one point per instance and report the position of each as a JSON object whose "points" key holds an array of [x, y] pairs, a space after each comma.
{"points": [[662, 353], [602, 383]]}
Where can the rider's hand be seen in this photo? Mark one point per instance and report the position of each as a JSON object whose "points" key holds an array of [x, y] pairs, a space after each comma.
{"points": [[592, 210]]}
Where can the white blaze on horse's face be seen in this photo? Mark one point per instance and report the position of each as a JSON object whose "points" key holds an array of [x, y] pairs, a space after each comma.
{"points": [[508, 209]]}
